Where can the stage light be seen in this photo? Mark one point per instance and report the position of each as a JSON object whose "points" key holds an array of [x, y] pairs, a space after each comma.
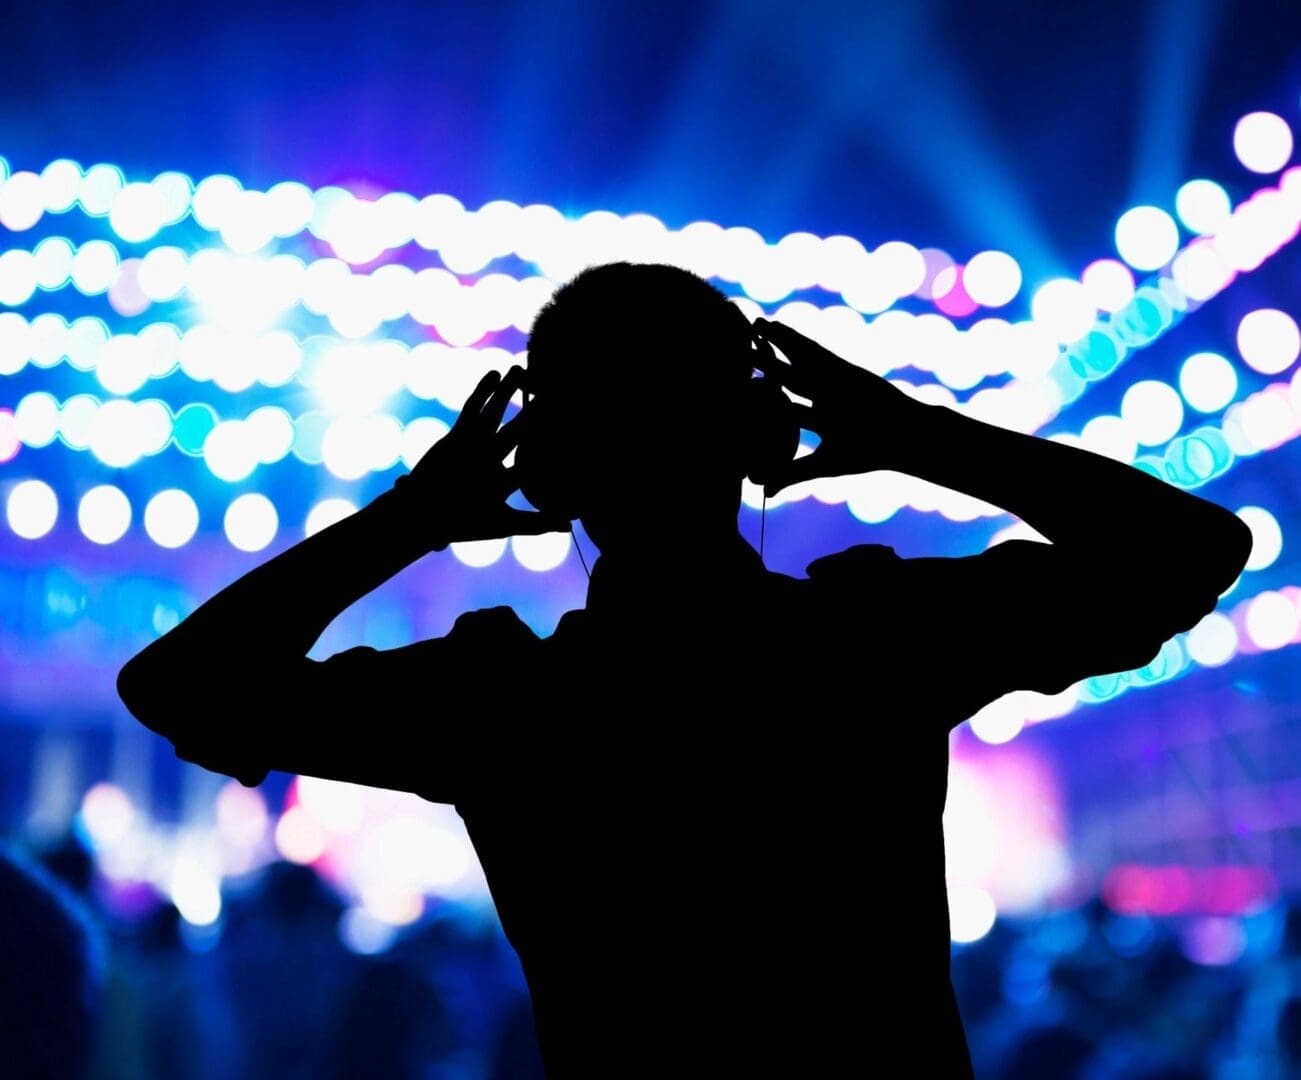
{"points": [[289, 207], [1268, 340], [161, 344], [95, 267], [174, 191], [247, 222], [1266, 536], [270, 430], [229, 451], [478, 553], [32, 509], [998, 722], [251, 522], [901, 265], [1109, 284], [53, 262], [971, 913], [344, 448], [36, 418], [86, 337], [992, 278], [542, 552], [1153, 411], [9, 441], [163, 272], [298, 836], [125, 295], [276, 358], [153, 425], [214, 199], [1271, 620], [138, 213], [115, 434], [104, 514], [324, 281], [123, 366], [22, 201], [950, 293], [1146, 237], [1203, 206], [1213, 641], [15, 342], [106, 813], [60, 184], [936, 260], [326, 512], [99, 187], [1263, 142], [394, 290], [48, 337], [1110, 436], [418, 436], [76, 419], [1200, 271], [1208, 382], [1064, 309], [171, 518], [17, 277], [194, 893]]}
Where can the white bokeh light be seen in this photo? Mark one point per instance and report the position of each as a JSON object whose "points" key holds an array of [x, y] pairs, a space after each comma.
{"points": [[1272, 620], [32, 509], [1266, 537], [1213, 641], [479, 553], [1065, 309], [971, 913], [1203, 206], [1109, 284], [251, 521], [326, 512], [1208, 382], [1268, 340], [992, 278], [1146, 237], [1153, 411], [1263, 142], [104, 514], [542, 552], [171, 518], [22, 201]]}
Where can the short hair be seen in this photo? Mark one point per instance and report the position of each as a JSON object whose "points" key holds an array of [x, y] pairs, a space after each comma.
{"points": [[51, 970], [611, 325]]}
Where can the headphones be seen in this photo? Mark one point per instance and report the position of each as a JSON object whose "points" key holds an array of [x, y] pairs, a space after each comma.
{"points": [[545, 451]]}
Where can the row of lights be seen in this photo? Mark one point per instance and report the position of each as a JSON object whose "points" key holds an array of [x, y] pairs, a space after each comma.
{"points": [[250, 522]]}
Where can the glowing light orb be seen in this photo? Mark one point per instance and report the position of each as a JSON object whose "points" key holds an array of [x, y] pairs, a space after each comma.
{"points": [[1213, 641], [1263, 142], [1109, 284], [326, 512], [32, 509], [1208, 382], [104, 514], [1272, 620], [992, 278], [971, 913], [1268, 340], [1146, 237], [1065, 309], [1266, 536], [1153, 411], [1203, 206], [543, 552], [251, 522], [171, 518]]}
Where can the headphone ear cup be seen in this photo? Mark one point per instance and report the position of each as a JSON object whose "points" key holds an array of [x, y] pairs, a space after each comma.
{"points": [[772, 433], [539, 470]]}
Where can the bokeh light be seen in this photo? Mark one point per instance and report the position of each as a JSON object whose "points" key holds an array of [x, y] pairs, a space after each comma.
{"points": [[1065, 309], [1153, 411], [171, 518], [1272, 620], [1146, 237], [1269, 340], [1203, 206], [1266, 536], [104, 514], [251, 521], [992, 278], [1208, 382], [1108, 283], [1263, 142], [32, 509]]}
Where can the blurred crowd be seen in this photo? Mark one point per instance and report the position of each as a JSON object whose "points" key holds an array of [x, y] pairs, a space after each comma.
{"points": [[273, 990]]}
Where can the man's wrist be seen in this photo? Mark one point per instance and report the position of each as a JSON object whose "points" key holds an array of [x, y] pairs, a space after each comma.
{"points": [[401, 497]]}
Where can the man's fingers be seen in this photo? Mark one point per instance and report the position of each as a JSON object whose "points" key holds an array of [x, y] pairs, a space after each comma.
{"points": [[530, 523], [495, 408], [807, 467], [802, 351], [480, 394]]}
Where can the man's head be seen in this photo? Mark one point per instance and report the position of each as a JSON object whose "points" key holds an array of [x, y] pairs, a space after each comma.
{"points": [[639, 391]]}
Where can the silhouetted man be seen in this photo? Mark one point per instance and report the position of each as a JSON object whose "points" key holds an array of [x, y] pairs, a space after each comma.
{"points": [[709, 805]]}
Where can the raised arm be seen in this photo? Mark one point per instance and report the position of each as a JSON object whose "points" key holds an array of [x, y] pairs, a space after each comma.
{"points": [[239, 662], [1132, 560]]}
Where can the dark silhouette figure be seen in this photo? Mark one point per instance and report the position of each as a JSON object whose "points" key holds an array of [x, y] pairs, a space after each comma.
{"points": [[709, 805]]}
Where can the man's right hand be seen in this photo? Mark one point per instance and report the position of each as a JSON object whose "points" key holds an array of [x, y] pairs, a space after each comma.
{"points": [[458, 490], [864, 423]]}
